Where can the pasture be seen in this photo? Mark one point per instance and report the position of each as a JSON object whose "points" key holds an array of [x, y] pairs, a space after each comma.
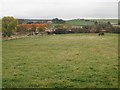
{"points": [[80, 22], [61, 61], [90, 22]]}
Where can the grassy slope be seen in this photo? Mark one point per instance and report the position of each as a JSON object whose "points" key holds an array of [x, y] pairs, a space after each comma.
{"points": [[73, 60], [79, 22], [82, 22], [106, 20]]}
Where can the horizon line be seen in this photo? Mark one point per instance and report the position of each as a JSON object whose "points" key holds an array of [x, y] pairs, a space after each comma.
{"points": [[63, 18]]}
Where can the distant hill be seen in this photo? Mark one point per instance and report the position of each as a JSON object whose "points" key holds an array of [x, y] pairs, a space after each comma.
{"points": [[25, 21], [78, 22], [73, 22], [82, 22], [114, 21]]}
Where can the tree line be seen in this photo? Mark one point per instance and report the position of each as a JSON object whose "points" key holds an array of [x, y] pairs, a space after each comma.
{"points": [[10, 25]]}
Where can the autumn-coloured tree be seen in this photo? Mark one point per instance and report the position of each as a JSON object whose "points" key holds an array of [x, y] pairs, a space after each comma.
{"points": [[31, 27], [9, 25]]}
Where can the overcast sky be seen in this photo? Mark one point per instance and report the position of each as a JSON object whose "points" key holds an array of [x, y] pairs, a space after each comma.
{"points": [[65, 9]]}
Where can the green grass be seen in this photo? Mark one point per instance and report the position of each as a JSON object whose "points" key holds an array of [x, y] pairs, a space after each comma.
{"points": [[61, 61], [106, 20], [90, 22], [79, 22]]}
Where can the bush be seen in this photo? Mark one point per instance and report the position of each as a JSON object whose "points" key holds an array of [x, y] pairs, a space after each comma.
{"points": [[60, 31]]}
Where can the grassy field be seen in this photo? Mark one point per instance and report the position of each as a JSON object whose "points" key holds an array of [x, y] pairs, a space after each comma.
{"points": [[106, 20], [79, 22], [90, 22], [61, 61]]}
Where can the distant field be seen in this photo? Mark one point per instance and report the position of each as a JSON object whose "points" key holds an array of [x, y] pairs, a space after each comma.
{"points": [[90, 21], [59, 61], [106, 20], [79, 22]]}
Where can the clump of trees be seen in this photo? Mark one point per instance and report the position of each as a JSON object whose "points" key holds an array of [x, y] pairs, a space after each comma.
{"points": [[58, 21], [99, 26], [9, 25], [29, 28], [118, 21]]}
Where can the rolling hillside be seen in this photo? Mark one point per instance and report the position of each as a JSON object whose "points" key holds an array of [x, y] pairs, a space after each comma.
{"points": [[81, 22]]}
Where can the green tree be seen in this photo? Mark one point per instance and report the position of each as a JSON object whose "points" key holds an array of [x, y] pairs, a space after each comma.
{"points": [[108, 23], [58, 21], [97, 27], [9, 25], [118, 21]]}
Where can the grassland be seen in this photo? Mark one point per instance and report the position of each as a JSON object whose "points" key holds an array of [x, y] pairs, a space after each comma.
{"points": [[79, 22], [108, 20], [61, 61]]}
